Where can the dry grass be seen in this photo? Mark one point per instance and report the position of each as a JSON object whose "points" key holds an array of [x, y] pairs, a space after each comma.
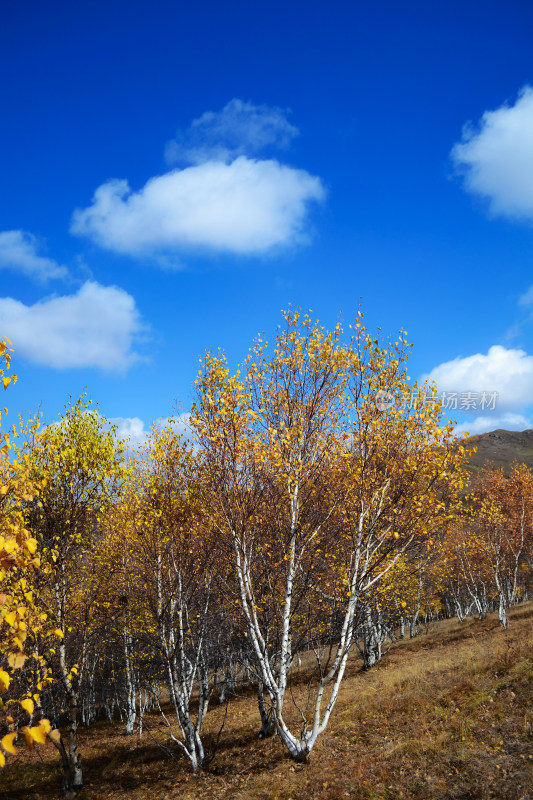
{"points": [[447, 715]]}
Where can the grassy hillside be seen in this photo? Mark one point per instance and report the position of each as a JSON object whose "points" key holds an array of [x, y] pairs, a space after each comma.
{"points": [[446, 715], [501, 448]]}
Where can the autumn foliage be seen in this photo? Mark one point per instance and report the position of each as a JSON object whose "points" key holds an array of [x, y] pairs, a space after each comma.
{"points": [[309, 515]]}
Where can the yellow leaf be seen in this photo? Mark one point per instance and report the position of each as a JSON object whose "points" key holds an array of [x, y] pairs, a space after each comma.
{"points": [[38, 734], [55, 736], [44, 724], [29, 738], [16, 660], [2, 760], [28, 705], [4, 681], [7, 742], [58, 632], [10, 618], [31, 546]]}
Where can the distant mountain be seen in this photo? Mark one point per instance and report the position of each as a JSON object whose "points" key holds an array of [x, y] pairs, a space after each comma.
{"points": [[500, 448]]}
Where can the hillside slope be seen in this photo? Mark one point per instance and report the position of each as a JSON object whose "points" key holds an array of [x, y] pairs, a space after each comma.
{"points": [[500, 448], [445, 716]]}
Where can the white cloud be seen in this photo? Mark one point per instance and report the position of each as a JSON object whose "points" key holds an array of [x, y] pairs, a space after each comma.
{"points": [[96, 327], [19, 251], [506, 371], [133, 429], [507, 422], [239, 129], [496, 158], [527, 298], [246, 207]]}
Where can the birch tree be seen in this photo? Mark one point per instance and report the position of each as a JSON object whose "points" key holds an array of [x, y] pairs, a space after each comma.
{"points": [[175, 569], [81, 464], [316, 490], [501, 520]]}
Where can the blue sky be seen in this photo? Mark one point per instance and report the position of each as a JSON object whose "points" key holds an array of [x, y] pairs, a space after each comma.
{"points": [[173, 175]]}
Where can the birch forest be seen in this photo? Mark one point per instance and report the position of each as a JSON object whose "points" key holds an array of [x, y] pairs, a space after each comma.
{"points": [[317, 509]]}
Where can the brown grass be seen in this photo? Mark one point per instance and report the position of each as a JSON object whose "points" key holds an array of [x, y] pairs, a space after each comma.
{"points": [[446, 715]]}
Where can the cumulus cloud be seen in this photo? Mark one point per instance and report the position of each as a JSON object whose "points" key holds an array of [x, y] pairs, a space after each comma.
{"points": [[96, 327], [506, 371], [223, 197], [506, 422], [239, 129], [19, 251], [495, 157], [246, 207]]}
